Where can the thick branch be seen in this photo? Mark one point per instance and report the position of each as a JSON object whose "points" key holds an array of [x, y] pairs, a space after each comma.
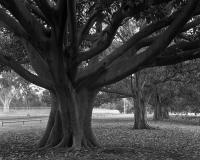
{"points": [[105, 38], [72, 23], [25, 73], [138, 41], [87, 26], [36, 10], [126, 46], [11, 24], [20, 12], [174, 59], [128, 65], [46, 8], [181, 46], [60, 20]]}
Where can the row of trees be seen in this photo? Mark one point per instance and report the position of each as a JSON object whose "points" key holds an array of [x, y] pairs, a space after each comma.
{"points": [[174, 88], [16, 93], [68, 44]]}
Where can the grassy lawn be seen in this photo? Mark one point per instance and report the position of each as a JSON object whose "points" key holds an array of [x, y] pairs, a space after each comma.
{"points": [[168, 141]]}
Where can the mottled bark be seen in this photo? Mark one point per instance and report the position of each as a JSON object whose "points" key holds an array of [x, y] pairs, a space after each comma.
{"points": [[69, 123], [139, 107]]}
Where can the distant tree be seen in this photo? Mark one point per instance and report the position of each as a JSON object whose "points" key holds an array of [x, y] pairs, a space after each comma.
{"points": [[46, 98], [135, 87], [7, 93], [141, 98], [160, 79], [189, 95], [10, 87], [176, 88]]}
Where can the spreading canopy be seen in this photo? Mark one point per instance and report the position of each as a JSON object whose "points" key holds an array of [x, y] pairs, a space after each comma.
{"points": [[68, 45], [83, 30]]}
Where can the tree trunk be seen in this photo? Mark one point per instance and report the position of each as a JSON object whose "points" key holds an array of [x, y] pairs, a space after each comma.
{"points": [[6, 105], [139, 107], [70, 118], [160, 112], [157, 108], [51, 120], [165, 112], [140, 115]]}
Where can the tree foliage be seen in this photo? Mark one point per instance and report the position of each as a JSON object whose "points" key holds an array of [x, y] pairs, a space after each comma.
{"points": [[12, 86], [66, 43]]}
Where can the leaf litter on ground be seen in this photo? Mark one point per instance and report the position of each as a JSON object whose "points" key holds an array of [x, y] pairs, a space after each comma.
{"points": [[119, 141]]}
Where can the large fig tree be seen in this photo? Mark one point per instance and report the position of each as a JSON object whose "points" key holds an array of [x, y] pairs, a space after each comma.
{"points": [[66, 40]]}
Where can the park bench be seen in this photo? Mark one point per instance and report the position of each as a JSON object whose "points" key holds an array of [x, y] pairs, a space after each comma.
{"points": [[22, 120]]}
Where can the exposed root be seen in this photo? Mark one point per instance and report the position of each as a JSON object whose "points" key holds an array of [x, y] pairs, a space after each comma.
{"points": [[63, 143], [74, 149], [51, 122], [91, 139], [43, 148], [90, 145], [146, 126], [87, 144], [55, 137], [42, 142], [94, 143]]}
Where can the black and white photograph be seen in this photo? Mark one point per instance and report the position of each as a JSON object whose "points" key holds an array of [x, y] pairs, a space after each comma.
{"points": [[99, 79]]}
